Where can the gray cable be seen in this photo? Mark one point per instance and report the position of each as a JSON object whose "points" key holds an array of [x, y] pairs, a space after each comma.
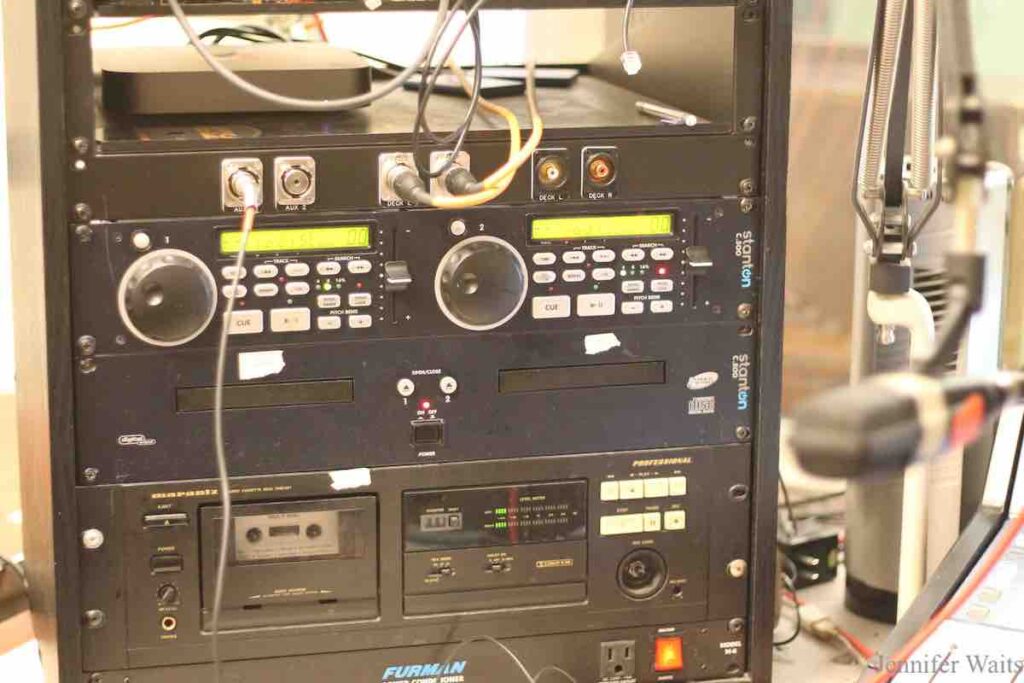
{"points": [[299, 103], [626, 17]]}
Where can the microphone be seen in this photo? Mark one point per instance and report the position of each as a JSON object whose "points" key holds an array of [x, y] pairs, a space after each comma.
{"points": [[890, 421]]}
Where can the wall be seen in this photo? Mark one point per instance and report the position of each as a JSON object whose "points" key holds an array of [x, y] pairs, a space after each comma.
{"points": [[6, 332]]}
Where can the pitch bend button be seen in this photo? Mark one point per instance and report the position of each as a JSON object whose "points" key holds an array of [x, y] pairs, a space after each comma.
{"points": [[265, 289], [632, 307], [609, 490], [652, 521], [246, 322], [239, 292], [296, 269], [265, 270], [595, 305], [360, 322], [675, 520], [662, 254], [328, 301], [677, 486], [656, 488], [328, 268], [328, 322], [544, 258], [574, 275], [574, 257], [633, 255], [603, 256], [359, 267], [632, 286], [663, 306], [297, 288], [289, 319], [603, 274], [545, 307], [631, 489], [662, 286], [360, 299], [228, 273], [544, 277]]}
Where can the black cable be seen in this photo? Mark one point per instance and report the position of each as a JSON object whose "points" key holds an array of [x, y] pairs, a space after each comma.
{"points": [[427, 86], [788, 503], [799, 619]]}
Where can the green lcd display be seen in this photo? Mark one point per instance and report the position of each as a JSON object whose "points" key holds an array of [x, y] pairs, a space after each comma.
{"points": [[297, 240], [601, 227]]}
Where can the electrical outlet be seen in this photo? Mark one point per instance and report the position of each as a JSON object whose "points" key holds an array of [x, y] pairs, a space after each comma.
{"points": [[618, 659]]}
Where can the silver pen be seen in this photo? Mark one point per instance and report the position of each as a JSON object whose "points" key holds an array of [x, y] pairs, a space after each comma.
{"points": [[669, 114]]}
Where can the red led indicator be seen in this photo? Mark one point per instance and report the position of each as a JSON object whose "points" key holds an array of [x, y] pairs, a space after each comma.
{"points": [[359, 285], [425, 404], [662, 270], [668, 654]]}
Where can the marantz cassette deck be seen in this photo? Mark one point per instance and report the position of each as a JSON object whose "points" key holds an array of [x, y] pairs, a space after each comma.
{"points": [[535, 431]]}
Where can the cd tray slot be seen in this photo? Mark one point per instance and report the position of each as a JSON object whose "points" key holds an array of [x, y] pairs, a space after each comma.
{"points": [[271, 395], [581, 377], [496, 598]]}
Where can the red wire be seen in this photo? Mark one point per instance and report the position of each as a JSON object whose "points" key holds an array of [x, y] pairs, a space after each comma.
{"points": [[1001, 546], [318, 22], [856, 643]]}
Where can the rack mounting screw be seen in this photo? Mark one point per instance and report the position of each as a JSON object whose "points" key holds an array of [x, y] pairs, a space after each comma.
{"points": [[743, 433], [95, 619], [92, 539], [90, 474], [749, 124], [744, 311], [84, 233], [737, 569], [80, 145], [78, 9], [87, 366], [746, 205], [739, 492], [87, 344], [83, 211], [747, 186], [96, 678], [736, 625]]}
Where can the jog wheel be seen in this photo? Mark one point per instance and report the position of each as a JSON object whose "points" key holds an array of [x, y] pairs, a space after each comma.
{"points": [[167, 297], [481, 283]]}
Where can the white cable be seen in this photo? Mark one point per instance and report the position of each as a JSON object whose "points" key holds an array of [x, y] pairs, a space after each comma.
{"points": [[630, 58], [300, 103]]}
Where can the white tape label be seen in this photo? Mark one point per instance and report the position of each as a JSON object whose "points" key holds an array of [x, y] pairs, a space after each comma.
{"points": [[256, 364]]}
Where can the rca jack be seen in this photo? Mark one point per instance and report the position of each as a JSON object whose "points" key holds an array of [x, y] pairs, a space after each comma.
{"points": [[168, 624], [552, 172], [601, 169]]}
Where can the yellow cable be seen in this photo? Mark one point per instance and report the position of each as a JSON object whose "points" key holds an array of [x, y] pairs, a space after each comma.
{"points": [[499, 181]]}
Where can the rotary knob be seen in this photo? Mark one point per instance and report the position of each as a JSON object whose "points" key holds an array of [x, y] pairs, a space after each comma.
{"points": [[481, 283], [167, 297]]}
